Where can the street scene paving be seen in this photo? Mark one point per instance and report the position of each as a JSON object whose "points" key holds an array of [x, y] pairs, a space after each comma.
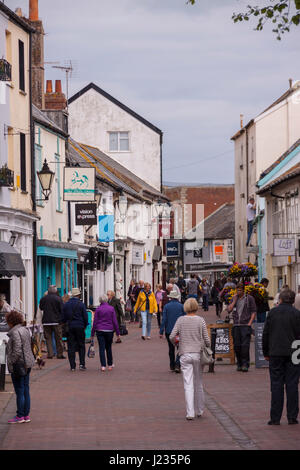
{"points": [[140, 405]]}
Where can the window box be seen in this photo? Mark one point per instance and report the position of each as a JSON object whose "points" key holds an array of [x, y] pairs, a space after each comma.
{"points": [[5, 71], [6, 177]]}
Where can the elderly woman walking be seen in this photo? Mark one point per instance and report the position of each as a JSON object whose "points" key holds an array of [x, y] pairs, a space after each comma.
{"points": [[104, 325], [20, 361], [147, 305], [193, 335]]}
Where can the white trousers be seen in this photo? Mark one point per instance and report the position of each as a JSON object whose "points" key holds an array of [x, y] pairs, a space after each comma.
{"points": [[192, 380]]}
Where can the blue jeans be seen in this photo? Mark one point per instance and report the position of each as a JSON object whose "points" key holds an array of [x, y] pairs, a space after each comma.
{"points": [[261, 317], [21, 386], [147, 319], [250, 230], [105, 339], [205, 301]]}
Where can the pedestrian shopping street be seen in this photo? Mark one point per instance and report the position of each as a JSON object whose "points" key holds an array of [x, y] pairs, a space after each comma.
{"points": [[140, 405]]}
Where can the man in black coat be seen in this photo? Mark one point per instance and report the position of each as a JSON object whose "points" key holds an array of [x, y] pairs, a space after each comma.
{"points": [[52, 307], [282, 328], [114, 302]]}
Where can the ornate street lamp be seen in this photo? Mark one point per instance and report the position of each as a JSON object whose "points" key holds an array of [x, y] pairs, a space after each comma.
{"points": [[46, 177]]}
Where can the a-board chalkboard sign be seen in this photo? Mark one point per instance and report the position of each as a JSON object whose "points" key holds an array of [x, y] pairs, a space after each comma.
{"points": [[224, 340], [259, 356]]}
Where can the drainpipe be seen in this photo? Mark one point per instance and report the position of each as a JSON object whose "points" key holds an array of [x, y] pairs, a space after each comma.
{"points": [[33, 183]]}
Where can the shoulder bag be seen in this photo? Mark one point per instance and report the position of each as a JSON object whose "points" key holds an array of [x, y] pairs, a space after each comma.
{"points": [[19, 367], [206, 354]]}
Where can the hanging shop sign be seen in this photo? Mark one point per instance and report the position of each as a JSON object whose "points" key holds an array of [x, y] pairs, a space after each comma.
{"points": [[106, 228], [86, 214], [173, 249], [138, 255], [79, 184]]}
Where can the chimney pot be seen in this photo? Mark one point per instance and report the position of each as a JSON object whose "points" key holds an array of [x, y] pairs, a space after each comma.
{"points": [[34, 10], [19, 12], [291, 82], [49, 86], [58, 88]]}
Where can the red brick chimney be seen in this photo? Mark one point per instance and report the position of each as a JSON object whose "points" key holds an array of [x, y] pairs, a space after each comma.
{"points": [[38, 71], [55, 101], [34, 10]]}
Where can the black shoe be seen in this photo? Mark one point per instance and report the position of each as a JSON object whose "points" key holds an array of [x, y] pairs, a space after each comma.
{"points": [[239, 368], [61, 357], [172, 369], [143, 337], [82, 368], [244, 369], [293, 421], [177, 370], [273, 423]]}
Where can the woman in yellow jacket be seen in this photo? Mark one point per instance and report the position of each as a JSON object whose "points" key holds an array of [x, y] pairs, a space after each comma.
{"points": [[146, 304]]}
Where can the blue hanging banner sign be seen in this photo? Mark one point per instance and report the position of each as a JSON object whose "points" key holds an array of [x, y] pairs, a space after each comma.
{"points": [[106, 228]]}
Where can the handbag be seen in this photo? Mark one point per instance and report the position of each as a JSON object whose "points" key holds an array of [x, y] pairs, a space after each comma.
{"points": [[206, 354], [19, 367], [123, 330], [128, 306], [91, 351]]}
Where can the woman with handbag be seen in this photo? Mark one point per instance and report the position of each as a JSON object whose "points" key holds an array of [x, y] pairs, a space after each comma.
{"points": [[20, 361], [193, 339]]}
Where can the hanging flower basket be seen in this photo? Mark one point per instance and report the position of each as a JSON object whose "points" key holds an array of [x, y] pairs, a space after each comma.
{"points": [[242, 271], [5, 71]]}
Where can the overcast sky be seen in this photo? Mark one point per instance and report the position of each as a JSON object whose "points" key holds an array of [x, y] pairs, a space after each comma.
{"points": [[187, 69]]}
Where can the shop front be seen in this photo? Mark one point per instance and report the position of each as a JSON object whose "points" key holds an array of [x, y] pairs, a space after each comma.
{"points": [[56, 266]]}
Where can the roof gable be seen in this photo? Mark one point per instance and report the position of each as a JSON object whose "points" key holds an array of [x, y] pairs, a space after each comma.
{"points": [[125, 108]]}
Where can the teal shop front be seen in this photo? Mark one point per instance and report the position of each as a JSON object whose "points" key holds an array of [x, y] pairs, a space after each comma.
{"points": [[56, 267]]}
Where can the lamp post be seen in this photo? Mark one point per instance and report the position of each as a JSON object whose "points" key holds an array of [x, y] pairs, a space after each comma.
{"points": [[46, 177]]}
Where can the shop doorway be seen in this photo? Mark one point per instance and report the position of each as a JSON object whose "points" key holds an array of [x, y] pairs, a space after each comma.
{"points": [[5, 288]]}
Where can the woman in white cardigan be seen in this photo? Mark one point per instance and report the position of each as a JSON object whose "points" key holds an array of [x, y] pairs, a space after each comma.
{"points": [[193, 335]]}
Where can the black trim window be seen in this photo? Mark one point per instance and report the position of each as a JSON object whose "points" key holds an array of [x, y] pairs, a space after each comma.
{"points": [[23, 161], [21, 66]]}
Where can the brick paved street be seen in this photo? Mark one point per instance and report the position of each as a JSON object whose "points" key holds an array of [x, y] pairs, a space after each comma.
{"points": [[140, 405]]}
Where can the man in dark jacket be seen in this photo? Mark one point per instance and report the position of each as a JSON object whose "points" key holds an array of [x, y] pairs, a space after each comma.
{"points": [[282, 328], [114, 302], [243, 308], [74, 314], [172, 311], [52, 305]]}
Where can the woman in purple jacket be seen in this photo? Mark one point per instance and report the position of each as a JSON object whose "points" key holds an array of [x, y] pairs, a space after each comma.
{"points": [[104, 325]]}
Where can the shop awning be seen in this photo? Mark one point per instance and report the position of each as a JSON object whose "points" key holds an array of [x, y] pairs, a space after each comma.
{"points": [[11, 263]]}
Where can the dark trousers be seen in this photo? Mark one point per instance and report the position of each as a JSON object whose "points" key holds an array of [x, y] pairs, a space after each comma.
{"points": [[241, 340], [173, 362], [105, 339], [21, 386], [218, 308], [57, 330], [205, 302], [283, 373], [158, 318], [76, 342], [250, 230]]}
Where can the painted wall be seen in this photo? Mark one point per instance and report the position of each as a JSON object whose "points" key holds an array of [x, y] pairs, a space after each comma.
{"points": [[92, 117], [19, 116], [53, 223]]}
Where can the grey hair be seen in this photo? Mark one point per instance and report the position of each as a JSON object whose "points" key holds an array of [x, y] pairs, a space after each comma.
{"points": [[52, 290], [103, 299]]}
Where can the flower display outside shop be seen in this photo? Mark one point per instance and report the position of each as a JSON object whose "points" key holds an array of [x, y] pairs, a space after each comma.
{"points": [[256, 290]]}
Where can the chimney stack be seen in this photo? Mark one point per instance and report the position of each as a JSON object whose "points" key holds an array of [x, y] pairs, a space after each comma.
{"points": [[291, 83], [34, 10], [242, 120], [55, 101]]}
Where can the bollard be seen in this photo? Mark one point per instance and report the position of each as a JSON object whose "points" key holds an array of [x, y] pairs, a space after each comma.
{"points": [[2, 366], [213, 347]]}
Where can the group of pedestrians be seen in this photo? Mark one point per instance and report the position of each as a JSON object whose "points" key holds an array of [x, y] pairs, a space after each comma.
{"points": [[186, 335]]}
